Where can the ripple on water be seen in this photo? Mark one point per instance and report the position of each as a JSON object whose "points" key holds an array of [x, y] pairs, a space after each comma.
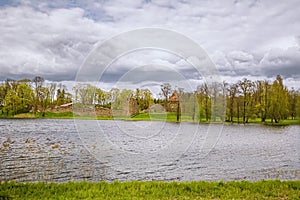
{"points": [[51, 150]]}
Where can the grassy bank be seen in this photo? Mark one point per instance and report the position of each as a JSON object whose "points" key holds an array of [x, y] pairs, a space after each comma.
{"points": [[31, 115], [172, 117], [152, 190], [168, 117]]}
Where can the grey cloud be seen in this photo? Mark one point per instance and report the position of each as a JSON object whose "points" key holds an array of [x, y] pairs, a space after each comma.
{"points": [[52, 38], [147, 73], [240, 56], [50, 45], [284, 62]]}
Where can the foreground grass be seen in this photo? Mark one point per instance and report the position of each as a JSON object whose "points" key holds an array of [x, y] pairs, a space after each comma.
{"points": [[272, 189]]}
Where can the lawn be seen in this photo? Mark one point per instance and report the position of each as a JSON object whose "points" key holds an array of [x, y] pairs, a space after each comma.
{"points": [[271, 189], [169, 117]]}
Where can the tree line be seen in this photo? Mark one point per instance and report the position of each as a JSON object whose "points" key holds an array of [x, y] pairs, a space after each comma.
{"points": [[248, 99], [237, 102], [25, 95]]}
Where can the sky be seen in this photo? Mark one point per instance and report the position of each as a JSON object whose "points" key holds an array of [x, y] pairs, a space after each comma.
{"points": [[255, 39]]}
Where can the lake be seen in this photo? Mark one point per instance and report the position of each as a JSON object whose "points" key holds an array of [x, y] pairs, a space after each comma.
{"points": [[61, 150]]}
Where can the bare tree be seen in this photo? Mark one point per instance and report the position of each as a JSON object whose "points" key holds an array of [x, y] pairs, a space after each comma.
{"points": [[204, 95], [38, 83], [246, 89], [166, 90], [232, 94]]}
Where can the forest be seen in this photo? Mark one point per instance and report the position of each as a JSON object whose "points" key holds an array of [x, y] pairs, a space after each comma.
{"points": [[237, 102]]}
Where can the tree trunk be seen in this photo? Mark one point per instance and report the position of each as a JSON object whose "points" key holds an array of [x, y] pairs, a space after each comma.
{"points": [[244, 112], [194, 110], [238, 113], [206, 109], [178, 111]]}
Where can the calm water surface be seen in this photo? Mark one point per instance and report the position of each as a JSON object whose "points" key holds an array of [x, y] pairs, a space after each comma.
{"points": [[63, 150]]}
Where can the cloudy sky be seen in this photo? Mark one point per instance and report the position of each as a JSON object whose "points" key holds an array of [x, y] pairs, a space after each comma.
{"points": [[257, 39]]}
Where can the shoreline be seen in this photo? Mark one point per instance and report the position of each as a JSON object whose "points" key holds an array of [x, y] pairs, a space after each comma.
{"points": [[140, 117]]}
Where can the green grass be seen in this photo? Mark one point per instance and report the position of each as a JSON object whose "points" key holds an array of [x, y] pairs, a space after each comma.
{"points": [[24, 116], [64, 115], [268, 122], [169, 117], [271, 189], [104, 118], [285, 122]]}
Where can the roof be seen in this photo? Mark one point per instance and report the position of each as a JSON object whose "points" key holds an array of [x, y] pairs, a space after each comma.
{"points": [[174, 97], [66, 105]]}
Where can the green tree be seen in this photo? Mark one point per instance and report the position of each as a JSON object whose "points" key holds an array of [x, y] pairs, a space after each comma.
{"points": [[18, 99], [298, 104], [292, 96], [44, 99], [137, 96], [121, 99], [2, 95], [102, 97], [218, 99], [266, 100], [85, 94], [25, 98], [60, 99], [10, 103], [278, 101], [144, 98], [114, 94], [246, 87], [25, 81], [52, 90]]}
